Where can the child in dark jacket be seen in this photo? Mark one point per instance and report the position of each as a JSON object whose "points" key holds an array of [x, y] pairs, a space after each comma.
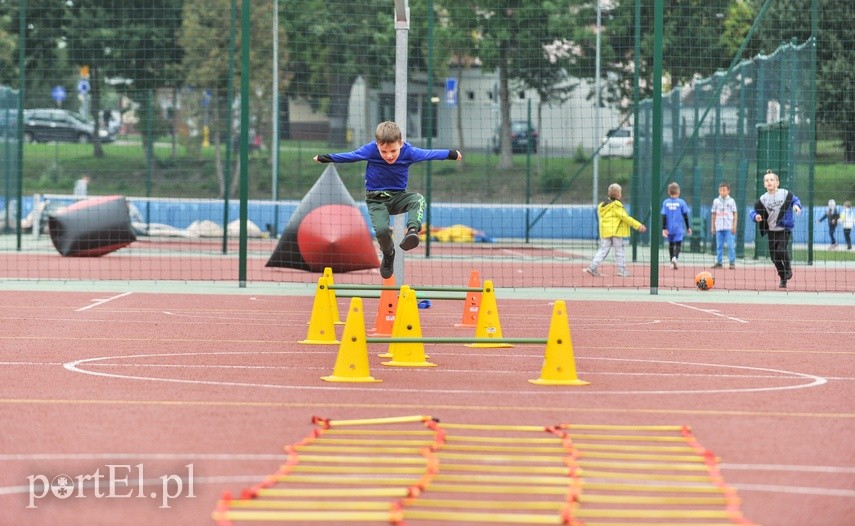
{"points": [[774, 212]]}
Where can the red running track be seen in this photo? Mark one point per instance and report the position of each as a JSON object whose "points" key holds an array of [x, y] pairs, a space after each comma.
{"points": [[210, 388]]}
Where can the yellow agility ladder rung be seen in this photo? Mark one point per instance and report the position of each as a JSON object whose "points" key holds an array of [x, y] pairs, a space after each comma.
{"points": [[503, 439], [358, 470], [359, 449], [456, 517], [499, 488], [357, 505], [715, 500], [509, 479], [362, 459], [400, 442], [592, 474], [350, 479], [333, 492], [421, 502], [583, 513], [326, 517], [652, 488]]}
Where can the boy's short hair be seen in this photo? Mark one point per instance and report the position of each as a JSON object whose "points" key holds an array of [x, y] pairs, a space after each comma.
{"points": [[724, 184], [388, 132], [615, 190], [673, 189], [773, 174]]}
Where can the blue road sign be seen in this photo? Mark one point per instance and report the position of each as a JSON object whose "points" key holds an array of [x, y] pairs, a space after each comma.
{"points": [[83, 86], [58, 94], [451, 91]]}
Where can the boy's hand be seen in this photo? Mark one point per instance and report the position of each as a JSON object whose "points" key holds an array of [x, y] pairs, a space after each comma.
{"points": [[664, 232], [642, 229], [315, 158], [797, 209], [758, 219]]}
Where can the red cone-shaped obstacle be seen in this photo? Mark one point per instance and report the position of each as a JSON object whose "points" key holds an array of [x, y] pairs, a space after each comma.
{"points": [[335, 236], [327, 230]]}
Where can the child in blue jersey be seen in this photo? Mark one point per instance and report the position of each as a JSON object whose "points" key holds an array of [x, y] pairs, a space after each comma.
{"points": [[774, 214], [675, 216], [386, 175]]}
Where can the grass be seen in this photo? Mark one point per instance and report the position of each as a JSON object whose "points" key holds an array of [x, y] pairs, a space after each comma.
{"points": [[191, 172]]}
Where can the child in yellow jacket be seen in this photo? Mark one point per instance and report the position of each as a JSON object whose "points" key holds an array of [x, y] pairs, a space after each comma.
{"points": [[615, 223]]}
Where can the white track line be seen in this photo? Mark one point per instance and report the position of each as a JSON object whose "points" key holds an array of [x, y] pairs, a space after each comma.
{"points": [[813, 381], [103, 301], [714, 312]]}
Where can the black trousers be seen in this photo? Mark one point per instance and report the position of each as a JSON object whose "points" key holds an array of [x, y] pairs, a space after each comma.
{"points": [[779, 241]]}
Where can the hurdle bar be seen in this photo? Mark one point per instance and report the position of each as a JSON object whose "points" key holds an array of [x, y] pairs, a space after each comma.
{"points": [[455, 339]]}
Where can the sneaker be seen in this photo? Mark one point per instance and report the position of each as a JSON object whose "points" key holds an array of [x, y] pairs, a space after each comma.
{"points": [[592, 271], [732, 266], [411, 240], [717, 265], [674, 263], [626, 274], [387, 266], [782, 284]]}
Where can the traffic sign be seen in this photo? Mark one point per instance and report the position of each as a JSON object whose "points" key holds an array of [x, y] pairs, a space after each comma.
{"points": [[451, 92], [58, 94], [83, 86]]}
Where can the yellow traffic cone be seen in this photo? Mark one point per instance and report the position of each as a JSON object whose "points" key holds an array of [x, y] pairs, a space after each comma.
{"points": [[489, 325], [321, 325], [333, 302], [407, 325], [351, 364], [559, 365]]}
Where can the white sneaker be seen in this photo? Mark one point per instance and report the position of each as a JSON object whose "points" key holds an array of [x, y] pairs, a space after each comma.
{"points": [[674, 263], [592, 271], [624, 274]]}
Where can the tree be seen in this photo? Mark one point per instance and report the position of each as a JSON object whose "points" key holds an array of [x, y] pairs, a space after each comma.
{"points": [[205, 39], [332, 43], [133, 41], [835, 52], [512, 37]]}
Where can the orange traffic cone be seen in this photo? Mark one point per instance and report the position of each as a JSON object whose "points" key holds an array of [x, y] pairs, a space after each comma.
{"points": [[386, 309], [472, 304]]}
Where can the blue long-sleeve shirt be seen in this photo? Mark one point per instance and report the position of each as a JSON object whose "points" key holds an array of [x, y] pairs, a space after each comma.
{"points": [[380, 175]]}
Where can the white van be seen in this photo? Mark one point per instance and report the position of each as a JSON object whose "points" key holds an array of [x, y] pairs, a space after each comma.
{"points": [[617, 143]]}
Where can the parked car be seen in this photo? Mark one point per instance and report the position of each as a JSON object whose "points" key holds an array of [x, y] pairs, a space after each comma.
{"points": [[617, 143], [521, 133], [46, 125]]}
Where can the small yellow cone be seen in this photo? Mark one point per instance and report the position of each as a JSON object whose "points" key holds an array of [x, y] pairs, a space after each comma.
{"points": [[559, 365], [333, 302], [321, 325], [407, 325], [488, 325], [351, 364]]}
